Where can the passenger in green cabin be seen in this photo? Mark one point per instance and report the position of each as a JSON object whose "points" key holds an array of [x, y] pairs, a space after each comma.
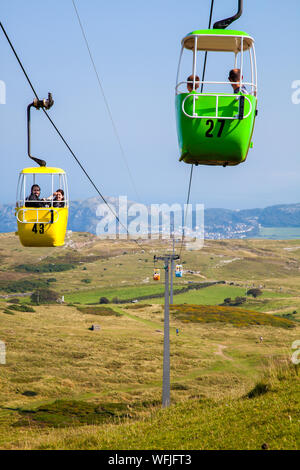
{"points": [[190, 82], [235, 77]]}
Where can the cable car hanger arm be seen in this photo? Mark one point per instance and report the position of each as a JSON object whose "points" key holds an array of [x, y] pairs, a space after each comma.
{"points": [[37, 104], [223, 24]]}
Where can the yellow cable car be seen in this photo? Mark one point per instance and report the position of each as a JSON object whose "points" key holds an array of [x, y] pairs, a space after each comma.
{"points": [[156, 275], [42, 221]]}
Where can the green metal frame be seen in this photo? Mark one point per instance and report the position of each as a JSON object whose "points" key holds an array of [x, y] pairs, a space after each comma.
{"points": [[214, 140]]}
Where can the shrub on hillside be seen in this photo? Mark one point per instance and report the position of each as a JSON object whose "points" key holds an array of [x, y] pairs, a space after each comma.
{"points": [[72, 257], [8, 312], [44, 296], [23, 285], [102, 311], [44, 268], [21, 308], [254, 292], [239, 300], [234, 302], [288, 315], [103, 300]]}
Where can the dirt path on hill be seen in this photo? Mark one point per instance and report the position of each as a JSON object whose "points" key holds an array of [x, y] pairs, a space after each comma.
{"points": [[220, 352]]}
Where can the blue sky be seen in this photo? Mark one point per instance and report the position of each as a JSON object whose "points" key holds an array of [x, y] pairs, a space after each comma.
{"points": [[136, 48]]}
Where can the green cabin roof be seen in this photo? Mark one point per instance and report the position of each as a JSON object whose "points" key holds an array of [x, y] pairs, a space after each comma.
{"points": [[223, 40]]}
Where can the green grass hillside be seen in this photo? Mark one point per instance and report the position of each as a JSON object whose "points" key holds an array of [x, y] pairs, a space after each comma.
{"points": [[84, 375], [120, 269], [59, 374], [271, 419]]}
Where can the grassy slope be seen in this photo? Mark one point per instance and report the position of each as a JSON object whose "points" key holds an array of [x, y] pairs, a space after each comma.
{"points": [[125, 271], [246, 261], [232, 424], [53, 354]]}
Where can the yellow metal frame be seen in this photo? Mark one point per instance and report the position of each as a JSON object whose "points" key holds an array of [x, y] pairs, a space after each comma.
{"points": [[35, 227]]}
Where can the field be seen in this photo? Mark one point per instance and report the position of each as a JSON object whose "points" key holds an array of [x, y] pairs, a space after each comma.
{"points": [[67, 386]]}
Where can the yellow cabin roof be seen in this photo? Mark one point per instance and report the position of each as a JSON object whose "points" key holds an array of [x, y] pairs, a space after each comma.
{"points": [[44, 170]]}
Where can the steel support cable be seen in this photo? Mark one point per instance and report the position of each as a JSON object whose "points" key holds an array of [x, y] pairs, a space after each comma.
{"points": [[191, 173], [61, 136], [105, 100]]}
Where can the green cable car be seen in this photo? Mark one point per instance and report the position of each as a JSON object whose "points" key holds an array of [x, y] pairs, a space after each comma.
{"points": [[216, 128]]}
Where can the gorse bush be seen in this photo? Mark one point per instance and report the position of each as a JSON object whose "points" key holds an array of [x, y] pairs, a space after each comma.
{"points": [[235, 316]]}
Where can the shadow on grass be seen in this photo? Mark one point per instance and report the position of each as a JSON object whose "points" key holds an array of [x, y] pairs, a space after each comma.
{"points": [[63, 413]]}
